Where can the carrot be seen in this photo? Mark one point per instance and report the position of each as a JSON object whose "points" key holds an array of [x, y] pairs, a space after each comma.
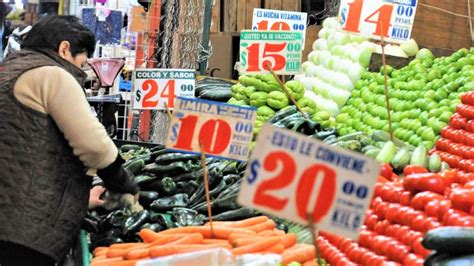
{"points": [[267, 225], [279, 232], [101, 252], [250, 221], [267, 233], [124, 263], [99, 258], [219, 231], [165, 239], [138, 254], [148, 235], [311, 262], [288, 240], [276, 249], [98, 249], [246, 241], [215, 241], [260, 245], [234, 236], [124, 245], [105, 262], [166, 250], [301, 254], [189, 239], [113, 253]]}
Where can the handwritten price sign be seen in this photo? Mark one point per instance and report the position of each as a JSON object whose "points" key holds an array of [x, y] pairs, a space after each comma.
{"points": [[281, 49], [224, 130], [391, 18], [291, 175], [267, 19], [158, 88]]}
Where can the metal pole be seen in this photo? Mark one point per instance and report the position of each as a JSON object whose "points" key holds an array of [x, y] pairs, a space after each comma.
{"points": [[205, 33]]}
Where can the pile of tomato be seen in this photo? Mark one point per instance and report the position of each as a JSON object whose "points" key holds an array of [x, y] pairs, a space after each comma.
{"points": [[456, 145], [401, 213]]}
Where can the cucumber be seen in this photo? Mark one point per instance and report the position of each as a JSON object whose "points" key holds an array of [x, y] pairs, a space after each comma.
{"points": [[401, 159], [373, 152], [380, 135], [450, 239], [466, 260], [419, 156], [368, 148], [168, 158], [434, 163], [353, 145], [387, 153], [136, 166], [129, 147], [352, 136]]}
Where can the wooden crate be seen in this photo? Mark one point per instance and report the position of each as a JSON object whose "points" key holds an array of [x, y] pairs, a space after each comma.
{"points": [[229, 13], [438, 29], [238, 14], [287, 5], [216, 16]]}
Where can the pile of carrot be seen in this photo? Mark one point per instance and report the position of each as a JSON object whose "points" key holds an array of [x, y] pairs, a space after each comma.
{"points": [[256, 235]]}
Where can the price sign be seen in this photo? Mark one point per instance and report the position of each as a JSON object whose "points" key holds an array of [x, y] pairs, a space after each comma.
{"points": [[267, 19], [157, 88], [224, 130], [281, 49], [290, 175], [391, 18]]}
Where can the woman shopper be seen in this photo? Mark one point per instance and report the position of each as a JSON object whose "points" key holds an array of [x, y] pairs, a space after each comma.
{"points": [[50, 140]]}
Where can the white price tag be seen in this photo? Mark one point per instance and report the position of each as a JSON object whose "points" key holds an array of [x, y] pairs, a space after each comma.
{"points": [[158, 88], [290, 175], [267, 19], [391, 18]]}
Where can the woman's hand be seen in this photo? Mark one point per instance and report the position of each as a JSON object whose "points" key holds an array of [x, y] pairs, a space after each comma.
{"points": [[94, 197]]}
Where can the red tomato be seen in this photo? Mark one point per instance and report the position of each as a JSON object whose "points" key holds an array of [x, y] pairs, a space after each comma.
{"points": [[444, 207], [401, 252], [330, 254], [419, 249], [449, 176], [377, 189], [414, 169], [365, 237], [404, 214], [417, 224], [410, 259], [421, 199], [412, 236], [432, 208], [371, 222], [463, 178], [468, 221], [381, 226], [337, 258], [344, 262], [385, 192], [442, 144], [454, 217], [355, 255], [386, 171], [367, 256], [344, 245], [403, 234], [472, 211], [405, 198], [375, 202], [381, 210], [430, 223], [462, 199], [392, 212]]}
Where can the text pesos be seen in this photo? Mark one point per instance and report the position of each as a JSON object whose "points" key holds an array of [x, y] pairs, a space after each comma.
{"points": [[310, 149]]}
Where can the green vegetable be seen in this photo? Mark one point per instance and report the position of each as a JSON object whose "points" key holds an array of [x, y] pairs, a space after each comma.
{"points": [[168, 203], [372, 153], [133, 223], [258, 99], [450, 239], [260, 85], [277, 100], [444, 166], [434, 164], [129, 147], [387, 153], [270, 81], [353, 145], [282, 113], [321, 116], [295, 88], [258, 125], [466, 260], [265, 113], [307, 105], [174, 157], [135, 167], [419, 156], [220, 95], [145, 198], [401, 159], [248, 91]]}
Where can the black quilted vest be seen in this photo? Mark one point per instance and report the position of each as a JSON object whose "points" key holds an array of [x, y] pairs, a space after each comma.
{"points": [[43, 188]]}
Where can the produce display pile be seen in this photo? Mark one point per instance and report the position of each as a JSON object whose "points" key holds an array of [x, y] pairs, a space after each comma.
{"points": [[401, 214], [213, 89], [423, 96], [456, 145], [253, 235]]}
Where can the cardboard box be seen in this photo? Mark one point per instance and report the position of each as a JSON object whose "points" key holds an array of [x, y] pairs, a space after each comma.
{"points": [[221, 63]]}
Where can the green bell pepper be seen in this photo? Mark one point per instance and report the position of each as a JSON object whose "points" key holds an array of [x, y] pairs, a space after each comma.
{"points": [[277, 100]]}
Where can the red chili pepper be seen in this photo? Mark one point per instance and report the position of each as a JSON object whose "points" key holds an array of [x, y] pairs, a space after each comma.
{"points": [[414, 169]]}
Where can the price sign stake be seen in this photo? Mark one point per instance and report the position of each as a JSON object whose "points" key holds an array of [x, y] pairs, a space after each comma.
{"points": [[154, 89], [314, 235], [206, 187], [281, 49], [376, 18], [290, 175], [387, 98], [221, 130]]}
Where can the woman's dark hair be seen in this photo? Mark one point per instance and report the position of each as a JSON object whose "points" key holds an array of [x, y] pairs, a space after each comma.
{"points": [[50, 31]]}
